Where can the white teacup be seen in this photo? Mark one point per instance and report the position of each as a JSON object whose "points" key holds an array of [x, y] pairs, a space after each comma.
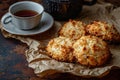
{"points": [[25, 14]]}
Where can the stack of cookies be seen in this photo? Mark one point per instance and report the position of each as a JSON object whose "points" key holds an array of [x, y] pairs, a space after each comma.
{"points": [[83, 44]]}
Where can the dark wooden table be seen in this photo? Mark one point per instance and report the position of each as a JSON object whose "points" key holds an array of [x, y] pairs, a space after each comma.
{"points": [[13, 64]]}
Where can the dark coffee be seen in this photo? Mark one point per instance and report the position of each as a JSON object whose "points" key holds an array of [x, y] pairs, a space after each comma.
{"points": [[25, 13]]}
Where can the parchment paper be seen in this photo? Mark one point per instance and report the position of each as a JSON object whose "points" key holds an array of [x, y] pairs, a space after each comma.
{"points": [[44, 65]]}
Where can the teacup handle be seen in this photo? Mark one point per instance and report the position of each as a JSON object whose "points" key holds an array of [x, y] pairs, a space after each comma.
{"points": [[7, 19], [89, 2]]}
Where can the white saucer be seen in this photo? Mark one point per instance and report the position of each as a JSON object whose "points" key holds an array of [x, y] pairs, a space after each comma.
{"points": [[45, 24]]}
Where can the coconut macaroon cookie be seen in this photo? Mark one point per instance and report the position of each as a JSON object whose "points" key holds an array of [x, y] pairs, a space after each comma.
{"points": [[60, 48], [73, 29], [91, 51], [103, 30]]}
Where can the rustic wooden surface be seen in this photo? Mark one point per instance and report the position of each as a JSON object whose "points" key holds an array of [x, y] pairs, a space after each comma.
{"points": [[13, 64]]}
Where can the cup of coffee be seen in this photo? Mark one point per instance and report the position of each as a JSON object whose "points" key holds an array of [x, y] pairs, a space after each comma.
{"points": [[25, 14]]}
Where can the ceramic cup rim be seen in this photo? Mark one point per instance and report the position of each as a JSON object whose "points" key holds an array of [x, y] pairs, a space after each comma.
{"points": [[26, 2]]}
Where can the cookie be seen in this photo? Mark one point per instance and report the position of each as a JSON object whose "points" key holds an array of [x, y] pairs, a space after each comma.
{"points": [[73, 29], [91, 51], [60, 48], [104, 31]]}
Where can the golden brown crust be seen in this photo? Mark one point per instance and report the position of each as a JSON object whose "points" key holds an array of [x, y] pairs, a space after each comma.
{"points": [[91, 51], [73, 29], [103, 30], [60, 48]]}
